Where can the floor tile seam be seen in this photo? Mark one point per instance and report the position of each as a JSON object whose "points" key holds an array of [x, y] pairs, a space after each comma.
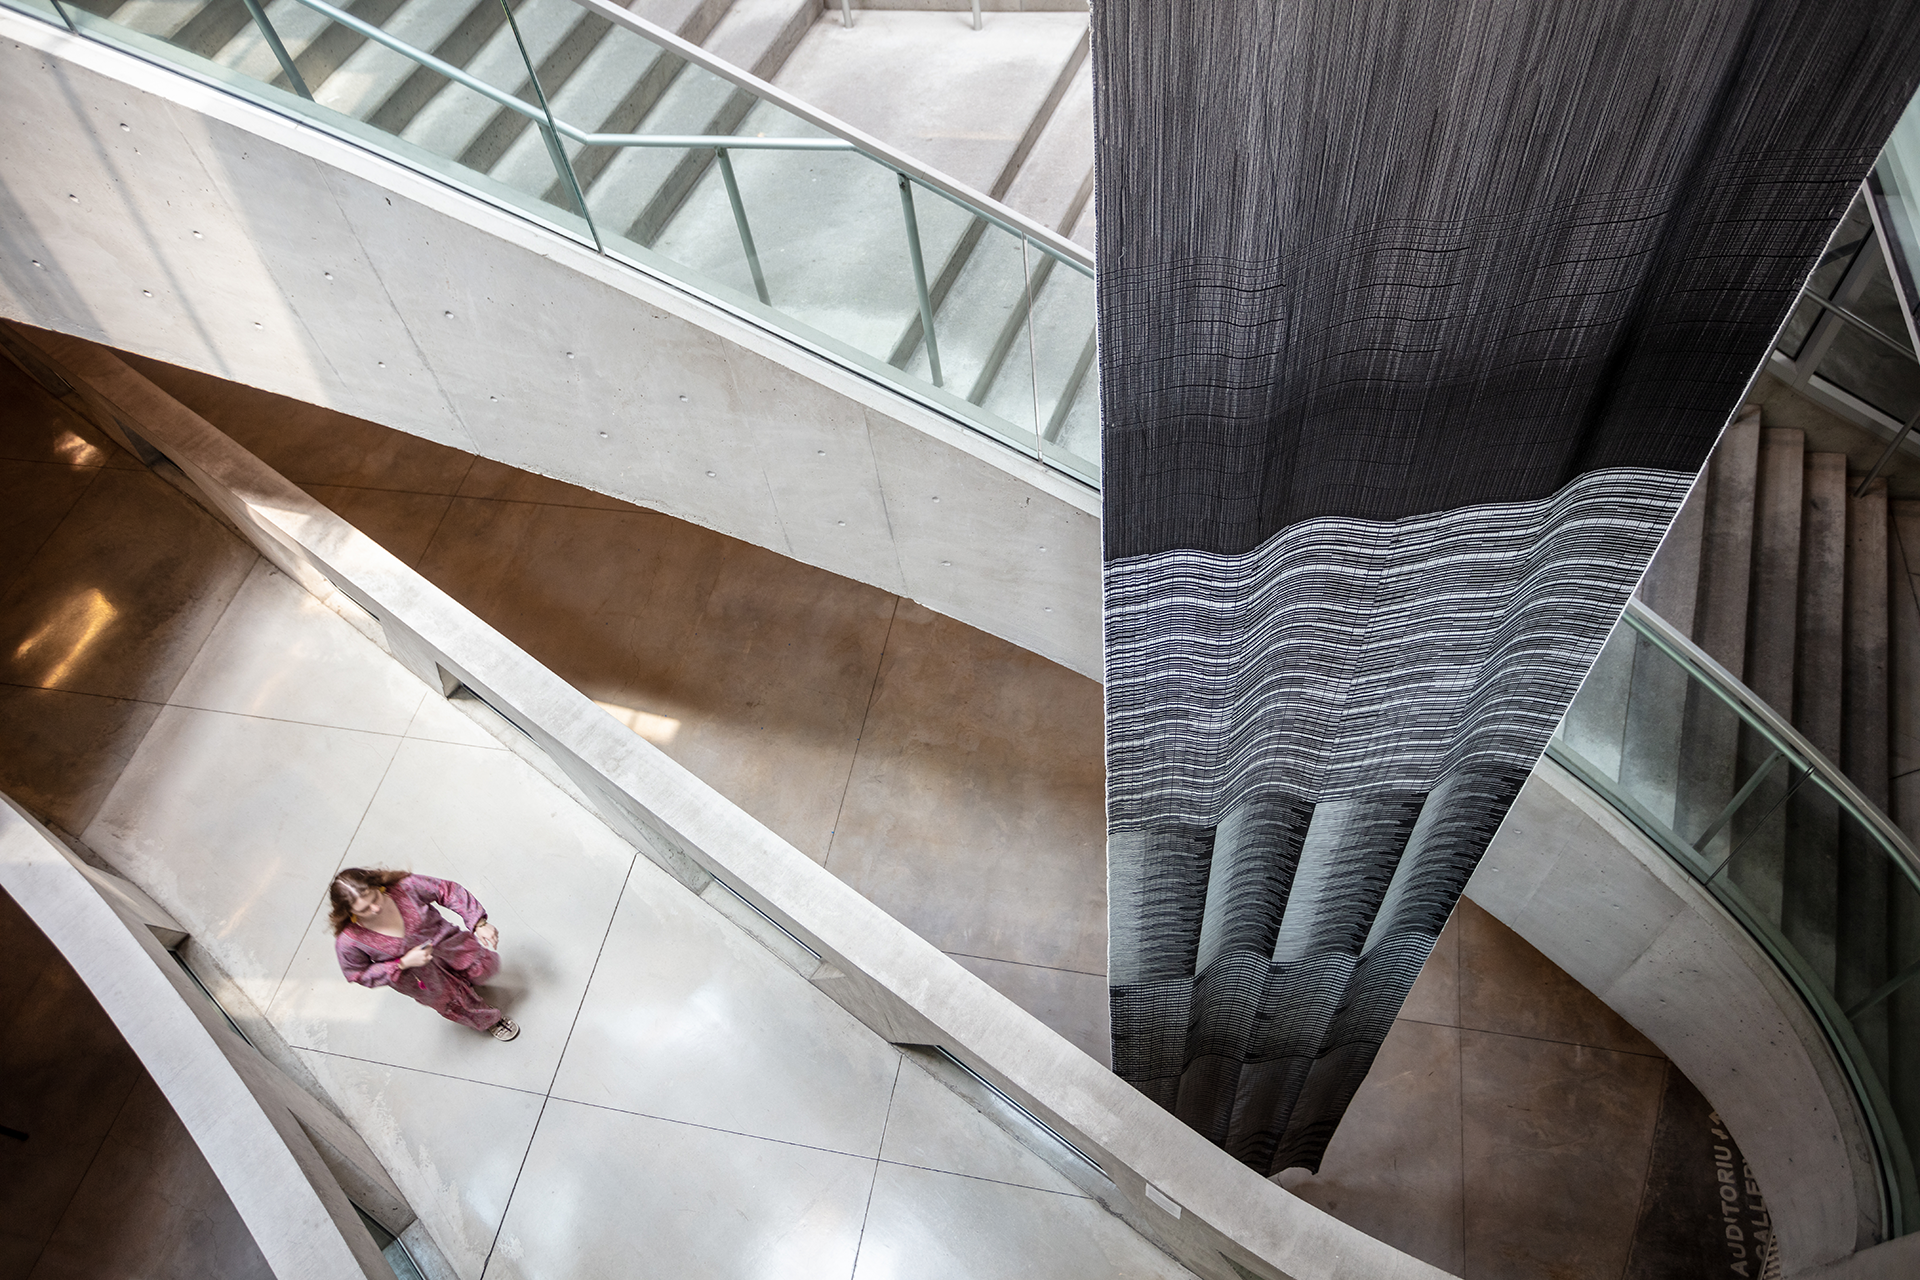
{"points": [[506, 1206], [629, 510], [1574, 1044], [441, 523], [80, 693], [626, 881], [866, 716], [1646, 1178], [714, 1128], [873, 1180], [27, 560], [418, 1071], [314, 724], [106, 1134], [977, 1177], [1027, 964], [50, 462], [346, 848], [412, 491]]}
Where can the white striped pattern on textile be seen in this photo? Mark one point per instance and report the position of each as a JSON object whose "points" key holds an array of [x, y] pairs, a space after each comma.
{"points": [[1309, 746]]}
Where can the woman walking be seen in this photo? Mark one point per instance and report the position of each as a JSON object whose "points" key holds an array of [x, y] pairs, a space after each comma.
{"points": [[387, 934]]}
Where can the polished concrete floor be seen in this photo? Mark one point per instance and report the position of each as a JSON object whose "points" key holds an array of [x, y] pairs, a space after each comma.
{"points": [[99, 1180], [677, 1095], [152, 673], [954, 779]]}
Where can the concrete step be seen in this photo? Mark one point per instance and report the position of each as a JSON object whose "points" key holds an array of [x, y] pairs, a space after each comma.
{"points": [[371, 74], [1865, 725], [454, 118], [1054, 185], [1773, 605], [1903, 666], [1811, 870], [612, 91], [637, 192], [1707, 756]]}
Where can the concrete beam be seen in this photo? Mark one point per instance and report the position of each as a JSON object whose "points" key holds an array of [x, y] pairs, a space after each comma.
{"points": [[149, 212]]}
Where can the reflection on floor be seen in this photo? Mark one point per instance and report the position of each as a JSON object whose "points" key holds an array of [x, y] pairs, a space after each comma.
{"points": [[98, 1177], [954, 779], [1512, 1127], [677, 1094]]}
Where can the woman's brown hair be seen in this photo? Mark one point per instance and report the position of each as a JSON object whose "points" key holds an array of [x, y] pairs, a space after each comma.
{"points": [[350, 884]]}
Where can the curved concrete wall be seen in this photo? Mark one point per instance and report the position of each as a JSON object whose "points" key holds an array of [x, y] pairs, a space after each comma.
{"points": [[1582, 885], [267, 1164], [144, 210]]}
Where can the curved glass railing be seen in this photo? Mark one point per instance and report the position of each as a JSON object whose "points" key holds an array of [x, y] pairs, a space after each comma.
{"points": [[1820, 877], [618, 134]]}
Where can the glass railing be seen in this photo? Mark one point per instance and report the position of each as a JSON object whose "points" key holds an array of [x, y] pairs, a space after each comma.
{"points": [[616, 133], [1812, 869]]}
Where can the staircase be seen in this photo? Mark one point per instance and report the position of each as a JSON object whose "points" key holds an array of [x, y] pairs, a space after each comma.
{"points": [[1013, 331], [1793, 577]]}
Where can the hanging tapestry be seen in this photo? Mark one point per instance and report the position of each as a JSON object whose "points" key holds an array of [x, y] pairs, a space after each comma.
{"points": [[1416, 322]]}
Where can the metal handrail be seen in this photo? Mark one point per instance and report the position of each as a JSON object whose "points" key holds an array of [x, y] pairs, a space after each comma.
{"points": [[1044, 238], [846, 138], [1785, 738], [534, 113]]}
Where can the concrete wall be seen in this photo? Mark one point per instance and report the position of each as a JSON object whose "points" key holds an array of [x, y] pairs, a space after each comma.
{"points": [[1582, 885], [164, 217]]}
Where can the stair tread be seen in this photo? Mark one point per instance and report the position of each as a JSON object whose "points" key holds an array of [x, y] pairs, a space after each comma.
{"points": [[1904, 666], [1820, 646], [1049, 186], [449, 123], [957, 100], [1773, 607]]}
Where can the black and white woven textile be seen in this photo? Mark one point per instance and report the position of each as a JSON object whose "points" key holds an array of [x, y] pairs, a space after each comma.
{"points": [[1416, 322]]}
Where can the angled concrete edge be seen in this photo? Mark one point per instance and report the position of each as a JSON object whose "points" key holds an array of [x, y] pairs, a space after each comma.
{"points": [[1199, 1205], [278, 1181], [1588, 890]]}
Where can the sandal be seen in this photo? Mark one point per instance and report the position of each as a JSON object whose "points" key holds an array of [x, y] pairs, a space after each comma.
{"points": [[505, 1029]]}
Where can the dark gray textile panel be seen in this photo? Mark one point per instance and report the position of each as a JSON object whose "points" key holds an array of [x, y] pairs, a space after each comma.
{"points": [[1416, 322]]}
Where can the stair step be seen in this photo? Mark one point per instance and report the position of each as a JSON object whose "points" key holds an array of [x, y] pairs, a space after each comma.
{"points": [[1055, 184], [1863, 957], [1903, 666], [1820, 643], [1726, 558], [1773, 605], [1812, 832], [454, 118]]}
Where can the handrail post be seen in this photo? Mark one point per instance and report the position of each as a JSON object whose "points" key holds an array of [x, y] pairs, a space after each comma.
{"points": [[846, 14], [740, 221], [280, 54], [976, 15], [555, 151], [920, 277]]}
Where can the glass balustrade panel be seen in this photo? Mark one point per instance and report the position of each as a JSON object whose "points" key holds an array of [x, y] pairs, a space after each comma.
{"points": [[1066, 374], [1806, 873], [1811, 879]]}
